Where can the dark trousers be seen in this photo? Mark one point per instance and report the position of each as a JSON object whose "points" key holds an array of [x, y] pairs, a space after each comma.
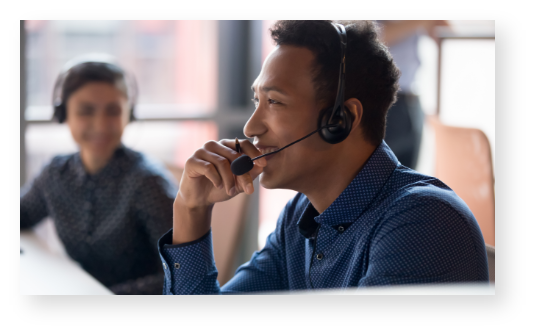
{"points": [[404, 124]]}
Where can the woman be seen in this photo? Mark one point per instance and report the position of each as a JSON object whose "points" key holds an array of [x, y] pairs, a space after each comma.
{"points": [[109, 203]]}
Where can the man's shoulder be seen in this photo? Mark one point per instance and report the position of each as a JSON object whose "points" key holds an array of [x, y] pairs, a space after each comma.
{"points": [[413, 189], [425, 202], [293, 209], [423, 220]]}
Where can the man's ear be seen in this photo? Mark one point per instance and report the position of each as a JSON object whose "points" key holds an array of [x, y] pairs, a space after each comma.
{"points": [[356, 110]]}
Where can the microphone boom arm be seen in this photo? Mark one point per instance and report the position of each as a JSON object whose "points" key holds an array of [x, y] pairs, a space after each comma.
{"points": [[286, 146]]}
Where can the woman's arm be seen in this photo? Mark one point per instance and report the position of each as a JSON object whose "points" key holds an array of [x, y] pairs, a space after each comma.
{"points": [[150, 284], [154, 212], [154, 207], [32, 202]]}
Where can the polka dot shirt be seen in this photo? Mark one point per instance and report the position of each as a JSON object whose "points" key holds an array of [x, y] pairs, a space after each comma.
{"points": [[109, 222], [390, 226]]}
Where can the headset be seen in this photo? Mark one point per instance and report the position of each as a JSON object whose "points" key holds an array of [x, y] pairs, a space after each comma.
{"points": [[58, 98], [334, 123]]}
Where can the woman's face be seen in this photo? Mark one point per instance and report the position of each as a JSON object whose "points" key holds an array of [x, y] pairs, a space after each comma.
{"points": [[97, 114]]}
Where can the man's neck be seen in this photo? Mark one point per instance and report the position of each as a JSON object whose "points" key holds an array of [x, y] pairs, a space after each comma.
{"points": [[336, 177]]}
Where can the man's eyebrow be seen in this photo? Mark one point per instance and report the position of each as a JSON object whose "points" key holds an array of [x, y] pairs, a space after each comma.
{"points": [[270, 88]]}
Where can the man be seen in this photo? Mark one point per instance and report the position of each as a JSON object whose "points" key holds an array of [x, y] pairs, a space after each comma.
{"points": [[360, 218]]}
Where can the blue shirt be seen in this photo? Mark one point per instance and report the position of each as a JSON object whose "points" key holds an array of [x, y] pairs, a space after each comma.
{"points": [[109, 222], [390, 226]]}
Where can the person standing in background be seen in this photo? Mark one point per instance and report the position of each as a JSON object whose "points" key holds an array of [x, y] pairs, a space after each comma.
{"points": [[405, 118], [109, 204]]}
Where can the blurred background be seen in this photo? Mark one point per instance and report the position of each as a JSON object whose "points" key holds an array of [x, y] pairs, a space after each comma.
{"points": [[194, 82]]}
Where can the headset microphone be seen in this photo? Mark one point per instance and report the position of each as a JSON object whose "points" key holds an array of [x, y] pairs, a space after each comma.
{"points": [[334, 124], [244, 163]]}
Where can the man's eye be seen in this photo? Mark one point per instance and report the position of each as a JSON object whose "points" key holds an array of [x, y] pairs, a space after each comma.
{"points": [[271, 101]]}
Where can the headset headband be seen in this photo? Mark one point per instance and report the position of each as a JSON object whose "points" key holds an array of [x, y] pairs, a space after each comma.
{"points": [[341, 30], [130, 80]]}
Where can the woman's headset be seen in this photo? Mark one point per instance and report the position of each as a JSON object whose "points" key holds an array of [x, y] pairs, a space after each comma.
{"points": [[338, 115], [59, 99]]}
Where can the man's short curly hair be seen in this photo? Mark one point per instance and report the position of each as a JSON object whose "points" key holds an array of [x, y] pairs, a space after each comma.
{"points": [[371, 75]]}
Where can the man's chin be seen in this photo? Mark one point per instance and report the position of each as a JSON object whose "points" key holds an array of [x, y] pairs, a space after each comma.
{"points": [[270, 182], [265, 181]]}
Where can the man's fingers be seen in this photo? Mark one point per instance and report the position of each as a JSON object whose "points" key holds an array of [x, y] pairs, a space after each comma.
{"points": [[199, 167], [246, 183], [255, 172], [250, 150], [246, 148], [222, 153], [223, 168], [246, 180], [225, 148], [222, 149]]}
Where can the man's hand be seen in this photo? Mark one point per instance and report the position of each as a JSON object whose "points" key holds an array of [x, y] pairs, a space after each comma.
{"points": [[207, 179]]}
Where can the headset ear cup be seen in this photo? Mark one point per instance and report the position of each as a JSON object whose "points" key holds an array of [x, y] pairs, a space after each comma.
{"points": [[60, 114], [338, 133]]}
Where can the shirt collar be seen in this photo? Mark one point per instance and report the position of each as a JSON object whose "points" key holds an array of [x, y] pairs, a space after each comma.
{"points": [[307, 225], [361, 192], [111, 170]]}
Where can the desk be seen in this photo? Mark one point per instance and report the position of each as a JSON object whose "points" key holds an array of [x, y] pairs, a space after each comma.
{"points": [[43, 272]]}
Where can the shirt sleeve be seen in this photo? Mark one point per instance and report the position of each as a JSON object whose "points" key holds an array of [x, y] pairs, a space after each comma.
{"points": [[33, 206], [190, 267], [427, 241]]}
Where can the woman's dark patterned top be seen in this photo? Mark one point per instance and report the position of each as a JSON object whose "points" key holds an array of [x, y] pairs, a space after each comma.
{"points": [[109, 222]]}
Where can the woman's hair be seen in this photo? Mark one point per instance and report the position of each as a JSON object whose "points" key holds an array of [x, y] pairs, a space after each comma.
{"points": [[79, 75], [371, 75]]}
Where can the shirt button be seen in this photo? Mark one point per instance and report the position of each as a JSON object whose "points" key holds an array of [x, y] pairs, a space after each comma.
{"points": [[319, 256], [177, 266], [164, 266], [341, 229]]}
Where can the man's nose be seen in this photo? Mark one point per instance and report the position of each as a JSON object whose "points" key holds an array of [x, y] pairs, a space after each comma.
{"points": [[255, 125]]}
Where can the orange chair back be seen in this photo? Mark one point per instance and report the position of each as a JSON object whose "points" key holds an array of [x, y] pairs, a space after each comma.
{"points": [[464, 163]]}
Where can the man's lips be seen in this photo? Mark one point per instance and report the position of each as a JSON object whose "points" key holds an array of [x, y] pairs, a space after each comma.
{"points": [[266, 150]]}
